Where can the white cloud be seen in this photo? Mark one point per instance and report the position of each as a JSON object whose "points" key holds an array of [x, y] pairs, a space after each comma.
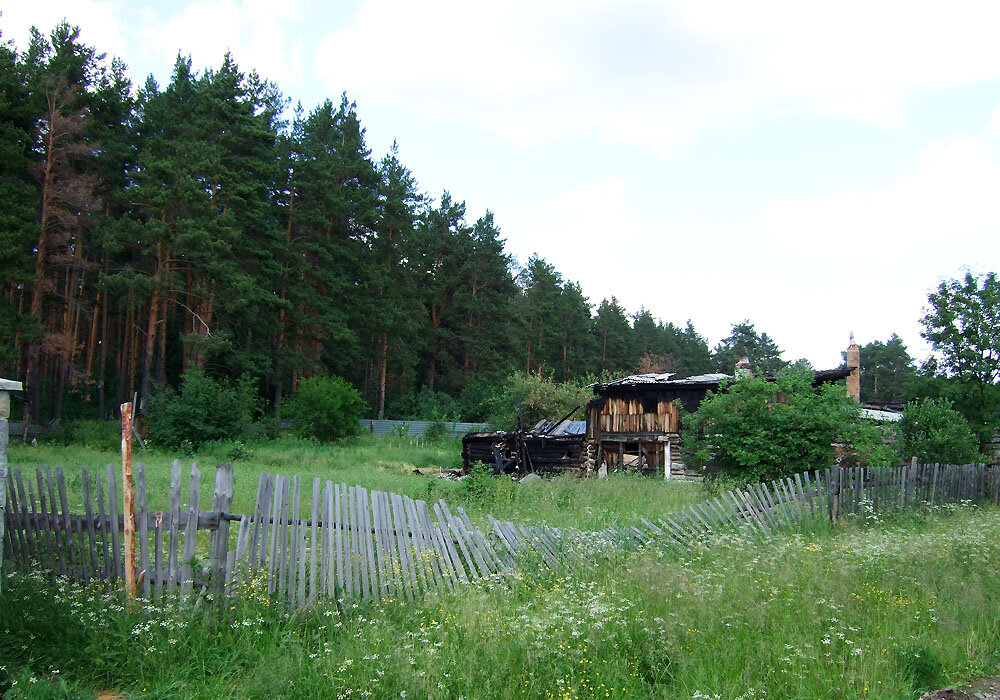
{"points": [[951, 196], [98, 22], [260, 35], [653, 74]]}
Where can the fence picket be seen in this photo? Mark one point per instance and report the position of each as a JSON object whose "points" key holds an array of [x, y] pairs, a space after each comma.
{"points": [[190, 532], [139, 474], [174, 525]]}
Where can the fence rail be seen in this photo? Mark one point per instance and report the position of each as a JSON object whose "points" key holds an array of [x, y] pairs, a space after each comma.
{"points": [[354, 543]]}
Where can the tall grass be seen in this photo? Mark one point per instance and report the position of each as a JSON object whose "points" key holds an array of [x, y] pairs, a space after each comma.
{"points": [[869, 609]]}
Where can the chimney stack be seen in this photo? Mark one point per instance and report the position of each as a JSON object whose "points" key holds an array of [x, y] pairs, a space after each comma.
{"points": [[854, 364], [743, 368]]}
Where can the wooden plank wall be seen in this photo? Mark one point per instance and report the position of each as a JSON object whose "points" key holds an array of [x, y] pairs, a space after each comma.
{"points": [[627, 415], [309, 541]]}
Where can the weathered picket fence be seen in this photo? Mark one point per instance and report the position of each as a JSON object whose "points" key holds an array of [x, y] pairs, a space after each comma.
{"points": [[355, 543]]}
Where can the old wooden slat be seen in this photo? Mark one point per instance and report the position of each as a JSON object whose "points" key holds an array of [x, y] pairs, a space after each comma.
{"points": [[466, 568], [403, 547], [366, 533], [750, 503], [440, 538], [791, 500], [143, 526], [492, 560], [260, 505], [779, 502], [425, 553], [303, 553], [502, 536], [54, 527], [284, 543], [733, 512], [239, 570], [19, 516], [435, 554], [338, 585], [327, 573], [294, 524], [384, 586], [66, 524], [315, 546], [88, 510], [474, 557], [41, 535], [346, 550], [448, 540], [115, 524], [357, 543], [222, 502], [764, 505], [158, 562], [103, 526], [174, 524], [190, 532], [393, 557]]}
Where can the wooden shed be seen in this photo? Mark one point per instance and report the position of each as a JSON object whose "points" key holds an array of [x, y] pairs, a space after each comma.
{"points": [[635, 421]]}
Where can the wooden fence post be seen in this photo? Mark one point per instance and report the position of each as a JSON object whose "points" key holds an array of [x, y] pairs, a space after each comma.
{"points": [[835, 494], [6, 386], [127, 499]]}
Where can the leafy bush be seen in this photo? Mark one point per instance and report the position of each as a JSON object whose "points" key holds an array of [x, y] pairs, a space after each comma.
{"points": [[436, 432], [326, 408], [934, 431], [754, 429], [97, 434], [204, 409], [540, 398]]}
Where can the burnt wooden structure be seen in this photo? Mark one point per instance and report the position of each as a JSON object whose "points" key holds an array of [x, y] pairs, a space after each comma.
{"points": [[547, 447], [634, 423]]}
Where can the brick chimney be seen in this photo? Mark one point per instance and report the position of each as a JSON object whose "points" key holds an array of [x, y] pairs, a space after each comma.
{"points": [[854, 364]]}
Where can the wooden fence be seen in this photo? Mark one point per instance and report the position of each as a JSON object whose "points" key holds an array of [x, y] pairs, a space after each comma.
{"points": [[353, 543]]}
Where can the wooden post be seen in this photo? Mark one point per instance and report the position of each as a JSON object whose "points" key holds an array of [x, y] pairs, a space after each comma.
{"points": [[6, 386], [667, 460], [127, 499]]}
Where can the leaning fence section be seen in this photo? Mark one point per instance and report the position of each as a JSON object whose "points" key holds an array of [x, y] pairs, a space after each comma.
{"points": [[321, 540]]}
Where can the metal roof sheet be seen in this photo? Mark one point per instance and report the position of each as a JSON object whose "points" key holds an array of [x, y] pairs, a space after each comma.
{"points": [[567, 427]]}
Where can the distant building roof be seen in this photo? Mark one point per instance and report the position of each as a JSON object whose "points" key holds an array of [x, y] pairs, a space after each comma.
{"points": [[881, 416], [663, 379], [567, 427]]}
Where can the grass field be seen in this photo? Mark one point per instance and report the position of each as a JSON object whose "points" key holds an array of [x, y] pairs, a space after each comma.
{"points": [[869, 610], [387, 464]]}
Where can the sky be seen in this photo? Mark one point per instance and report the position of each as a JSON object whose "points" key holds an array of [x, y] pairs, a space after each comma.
{"points": [[814, 168]]}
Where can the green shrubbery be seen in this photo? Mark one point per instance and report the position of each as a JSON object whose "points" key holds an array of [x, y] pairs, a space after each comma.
{"points": [[326, 408], [205, 409], [933, 431], [757, 429]]}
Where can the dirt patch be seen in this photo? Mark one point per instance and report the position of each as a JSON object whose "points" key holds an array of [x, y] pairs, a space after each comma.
{"points": [[109, 695], [983, 689]]}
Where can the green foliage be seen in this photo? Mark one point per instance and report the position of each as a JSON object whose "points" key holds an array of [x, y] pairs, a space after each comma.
{"points": [[326, 408], [744, 340], [425, 404], [933, 431], [204, 409], [887, 372], [754, 429], [963, 326], [539, 398], [97, 434]]}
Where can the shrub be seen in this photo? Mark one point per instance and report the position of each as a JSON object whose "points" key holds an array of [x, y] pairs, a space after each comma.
{"points": [[204, 409], [540, 398], [326, 408], [754, 429], [933, 431], [97, 434]]}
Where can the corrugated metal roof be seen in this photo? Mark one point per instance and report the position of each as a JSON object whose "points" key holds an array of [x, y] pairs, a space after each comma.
{"points": [[567, 427], [663, 379], [881, 416], [417, 427]]}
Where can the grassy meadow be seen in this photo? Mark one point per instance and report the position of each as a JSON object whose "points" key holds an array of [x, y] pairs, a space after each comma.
{"points": [[872, 608], [385, 464], [868, 610]]}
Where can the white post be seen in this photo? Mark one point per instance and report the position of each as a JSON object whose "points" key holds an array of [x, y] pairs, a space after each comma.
{"points": [[666, 462], [6, 386]]}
